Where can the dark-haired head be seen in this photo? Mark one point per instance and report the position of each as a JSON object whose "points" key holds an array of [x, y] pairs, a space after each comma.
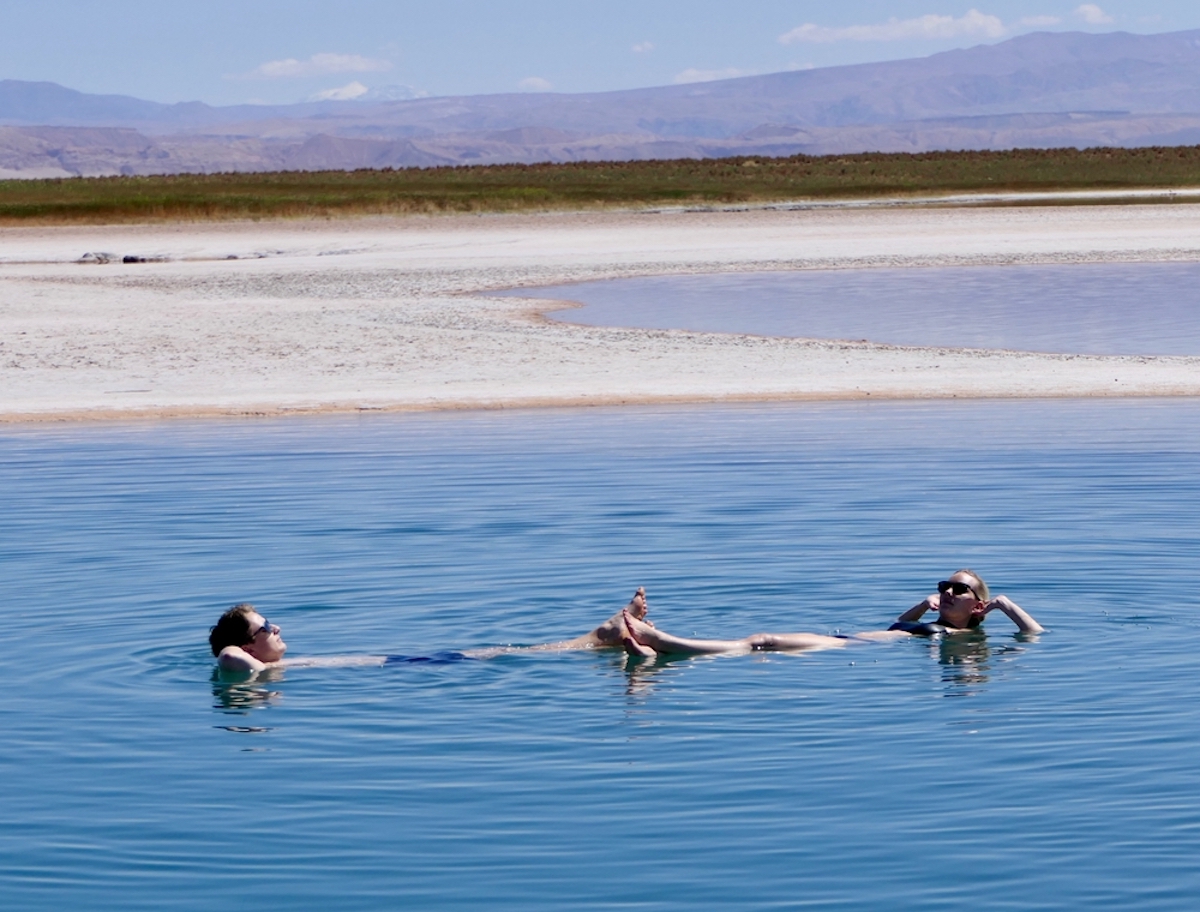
{"points": [[233, 628]]}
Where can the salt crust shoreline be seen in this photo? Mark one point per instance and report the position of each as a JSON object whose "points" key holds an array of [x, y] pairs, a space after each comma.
{"points": [[395, 314]]}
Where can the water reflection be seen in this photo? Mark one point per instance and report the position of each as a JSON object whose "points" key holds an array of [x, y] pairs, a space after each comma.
{"points": [[1088, 741], [967, 660], [1079, 308], [641, 672], [241, 696]]}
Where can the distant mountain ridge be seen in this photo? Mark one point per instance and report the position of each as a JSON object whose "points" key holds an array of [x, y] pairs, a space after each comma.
{"points": [[1040, 90], [47, 104]]}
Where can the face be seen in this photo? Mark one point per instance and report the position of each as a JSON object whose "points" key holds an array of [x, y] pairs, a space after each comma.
{"points": [[956, 610], [267, 646]]}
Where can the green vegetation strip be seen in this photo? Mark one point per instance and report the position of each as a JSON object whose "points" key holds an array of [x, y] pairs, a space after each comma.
{"points": [[581, 185]]}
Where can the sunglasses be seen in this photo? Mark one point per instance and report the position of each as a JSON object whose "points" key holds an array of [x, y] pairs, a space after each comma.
{"points": [[956, 588], [265, 628]]}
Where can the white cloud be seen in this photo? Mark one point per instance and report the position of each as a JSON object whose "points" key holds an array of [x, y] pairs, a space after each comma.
{"points": [[1092, 14], [1038, 21], [345, 93], [535, 84], [644, 47], [974, 23], [693, 75], [394, 93], [318, 65]]}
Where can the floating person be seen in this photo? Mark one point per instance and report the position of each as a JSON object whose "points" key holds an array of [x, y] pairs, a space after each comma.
{"points": [[243, 640], [961, 603]]}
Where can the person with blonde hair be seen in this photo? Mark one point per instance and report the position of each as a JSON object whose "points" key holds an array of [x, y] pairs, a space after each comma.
{"points": [[962, 602]]}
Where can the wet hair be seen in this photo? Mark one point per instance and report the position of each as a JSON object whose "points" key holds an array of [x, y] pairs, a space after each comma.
{"points": [[981, 591], [233, 629]]}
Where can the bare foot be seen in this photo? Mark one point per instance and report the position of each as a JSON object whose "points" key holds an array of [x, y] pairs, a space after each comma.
{"points": [[629, 641], [637, 605], [612, 631]]}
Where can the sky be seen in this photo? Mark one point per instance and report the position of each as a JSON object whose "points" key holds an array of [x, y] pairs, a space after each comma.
{"points": [[278, 52]]}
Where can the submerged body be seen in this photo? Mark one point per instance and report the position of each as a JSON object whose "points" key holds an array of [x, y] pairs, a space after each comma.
{"points": [[244, 641], [961, 603]]}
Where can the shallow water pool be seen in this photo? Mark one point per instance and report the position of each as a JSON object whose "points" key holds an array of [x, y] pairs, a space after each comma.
{"points": [[1000, 771], [1084, 308]]}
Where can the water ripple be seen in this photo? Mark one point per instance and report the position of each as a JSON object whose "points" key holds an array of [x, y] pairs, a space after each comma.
{"points": [[911, 775]]}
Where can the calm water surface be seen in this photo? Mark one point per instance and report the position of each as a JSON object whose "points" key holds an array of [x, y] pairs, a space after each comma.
{"points": [[1001, 772], [1123, 309]]}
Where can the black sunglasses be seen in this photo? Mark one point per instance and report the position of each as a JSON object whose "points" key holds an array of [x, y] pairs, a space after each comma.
{"points": [[265, 628], [956, 588]]}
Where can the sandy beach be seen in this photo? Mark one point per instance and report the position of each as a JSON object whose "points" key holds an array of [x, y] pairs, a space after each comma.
{"points": [[398, 314]]}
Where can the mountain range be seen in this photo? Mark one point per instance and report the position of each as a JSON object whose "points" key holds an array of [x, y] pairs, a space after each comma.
{"points": [[1040, 90]]}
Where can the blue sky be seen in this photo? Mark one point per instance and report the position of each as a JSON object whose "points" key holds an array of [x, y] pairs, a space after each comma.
{"points": [[234, 51]]}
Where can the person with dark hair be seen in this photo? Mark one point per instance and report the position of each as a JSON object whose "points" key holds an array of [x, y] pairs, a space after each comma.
{"points": [[962, 602], [243, 640]]}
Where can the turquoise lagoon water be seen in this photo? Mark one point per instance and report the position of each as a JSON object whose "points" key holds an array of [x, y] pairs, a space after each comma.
{"points": [[1098, 308], [1058, 771]]}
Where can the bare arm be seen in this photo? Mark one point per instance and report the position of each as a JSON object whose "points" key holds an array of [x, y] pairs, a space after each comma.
{"points": [[235, 658], [1018, 615], [916, 611]]}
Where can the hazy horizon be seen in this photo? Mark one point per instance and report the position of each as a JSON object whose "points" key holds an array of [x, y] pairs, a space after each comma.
{"points": [[274, 52]]}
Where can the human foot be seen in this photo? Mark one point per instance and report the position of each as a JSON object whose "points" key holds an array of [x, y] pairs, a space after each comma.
{"points": [[630, 641], [637, 605], [613, 631]]}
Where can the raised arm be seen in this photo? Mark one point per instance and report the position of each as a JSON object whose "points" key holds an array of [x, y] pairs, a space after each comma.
{"points": [[235, 658], [1018, 615], [915, 613]]}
